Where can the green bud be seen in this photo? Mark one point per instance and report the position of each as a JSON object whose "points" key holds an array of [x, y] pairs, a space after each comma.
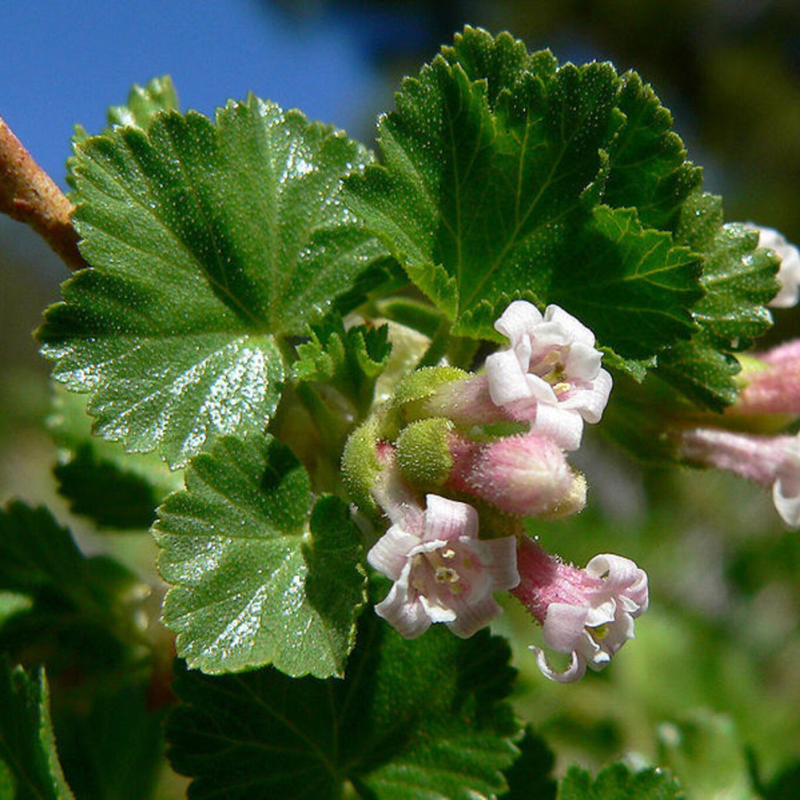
{"points": [[410, 396], [423, 454], [360, 465]]}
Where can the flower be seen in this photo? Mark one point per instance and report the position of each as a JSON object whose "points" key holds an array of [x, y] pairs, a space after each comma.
{"points": [[526, 475], [551, 374], [789, 271], [441, 571], [586, 613], [771, 461], [772, 382]]}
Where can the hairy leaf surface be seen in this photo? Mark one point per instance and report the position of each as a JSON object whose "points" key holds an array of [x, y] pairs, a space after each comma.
{"points": [[210, 243], [423, 719], [496, 162], [259, 574]]}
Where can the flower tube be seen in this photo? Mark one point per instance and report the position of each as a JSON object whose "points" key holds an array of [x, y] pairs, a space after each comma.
{"points": [[585, 613]]}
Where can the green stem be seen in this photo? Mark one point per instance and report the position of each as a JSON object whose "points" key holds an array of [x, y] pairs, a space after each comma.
{"points": [[438, 346], [413, 314]]}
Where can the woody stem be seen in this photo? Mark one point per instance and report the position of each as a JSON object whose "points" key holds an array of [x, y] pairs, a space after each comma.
{"points": [[29, 195]]}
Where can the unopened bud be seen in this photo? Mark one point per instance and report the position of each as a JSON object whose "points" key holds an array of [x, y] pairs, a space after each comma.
{"points": [[423, 454], [523, 475]]}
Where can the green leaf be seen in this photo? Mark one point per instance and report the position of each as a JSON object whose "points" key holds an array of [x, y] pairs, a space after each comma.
{"points": [[617, 782], [159, 94], [78, 616], [530, 778], [630, 285], [647, 167], [739, 280], [422, 719], [701, 372], [494, 163], [144, 102], [257, 576], [350, 360], [113, 750], [27, 744], [114, 488], [211, 243]]}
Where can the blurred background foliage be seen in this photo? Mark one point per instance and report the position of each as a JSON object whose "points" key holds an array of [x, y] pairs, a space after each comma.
{"points": [[712, 679]]}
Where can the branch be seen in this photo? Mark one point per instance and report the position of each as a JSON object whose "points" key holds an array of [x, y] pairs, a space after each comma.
{"points": [[29, 195]]}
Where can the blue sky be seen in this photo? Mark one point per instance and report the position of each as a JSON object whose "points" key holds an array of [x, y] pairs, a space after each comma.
{"points": [[65, 63]]}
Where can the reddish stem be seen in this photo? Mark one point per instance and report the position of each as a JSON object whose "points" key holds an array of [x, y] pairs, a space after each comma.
{"points": [[29, 195]]}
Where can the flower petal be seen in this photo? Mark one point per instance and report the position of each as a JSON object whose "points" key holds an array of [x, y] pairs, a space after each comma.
{"points": [[471, 617], [449, 519], [507, 379], [390, 553], [407, 616], [563, 626], [575, 671], [518, 318]]}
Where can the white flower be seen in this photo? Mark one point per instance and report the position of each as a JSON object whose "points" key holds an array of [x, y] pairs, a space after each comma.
{"points": [[441, 571], [551, 375], [587, 613], [789, 271]]}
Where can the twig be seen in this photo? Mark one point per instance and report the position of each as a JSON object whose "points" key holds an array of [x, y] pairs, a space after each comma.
{"points": [[28, 194]]}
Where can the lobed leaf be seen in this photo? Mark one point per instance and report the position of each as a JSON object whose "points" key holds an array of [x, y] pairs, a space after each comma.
{"points": [[27, 744], [495, 162], [739, 280], [144, 102], [629, 284], [209, 243], [258, 576], [115, 489], [616, 782], [426, 719], [647, 167], [349, 360], [72, 611]]}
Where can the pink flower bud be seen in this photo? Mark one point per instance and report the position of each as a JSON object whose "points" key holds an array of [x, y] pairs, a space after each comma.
{"points": [[525, 475], [772, 382], [587, 613]]}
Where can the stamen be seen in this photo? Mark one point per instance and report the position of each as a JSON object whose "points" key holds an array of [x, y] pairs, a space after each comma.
{"points": [[447, 575]]}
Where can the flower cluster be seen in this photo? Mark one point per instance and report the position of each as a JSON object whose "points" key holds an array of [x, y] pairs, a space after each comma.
{"points": [[458, 461]]}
